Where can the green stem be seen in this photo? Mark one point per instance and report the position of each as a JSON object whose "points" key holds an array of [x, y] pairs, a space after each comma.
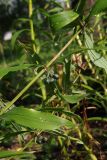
{"points": [[42, 86], [31, 25], [38, 75]]}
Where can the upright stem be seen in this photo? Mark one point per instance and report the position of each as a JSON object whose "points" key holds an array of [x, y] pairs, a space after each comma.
{"points": [[39, 74], [42, 86], [31, 24]]}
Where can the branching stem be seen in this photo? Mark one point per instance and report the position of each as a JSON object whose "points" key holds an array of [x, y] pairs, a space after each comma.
{"points": [[39, 74]]}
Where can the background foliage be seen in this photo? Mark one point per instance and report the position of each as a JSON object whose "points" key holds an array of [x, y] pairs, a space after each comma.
{"points": [[53, 91]]}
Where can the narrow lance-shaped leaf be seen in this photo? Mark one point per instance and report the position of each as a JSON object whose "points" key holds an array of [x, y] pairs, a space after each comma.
{"points": [[35, 119], [62, 19], [5, 154], [98, 119], [4, 71], [75, 98], [95, 57], [15, 36]]}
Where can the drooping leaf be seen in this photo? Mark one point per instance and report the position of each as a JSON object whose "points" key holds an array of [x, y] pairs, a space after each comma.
{"points": [[35, 119], [15, 36], [4, 71], [75, 98], [5, 154], [95, 57], [99, 6], [62, 19]]}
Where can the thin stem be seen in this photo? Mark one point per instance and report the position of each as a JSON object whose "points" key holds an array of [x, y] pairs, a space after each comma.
{"points": [[39, 74], [31, 24], [62, 50], [42, 86]]}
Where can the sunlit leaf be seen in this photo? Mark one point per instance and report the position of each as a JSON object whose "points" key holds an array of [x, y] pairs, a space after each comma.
{"points": [[95, 57], [61, 110], [62, 19], [35, 119]]}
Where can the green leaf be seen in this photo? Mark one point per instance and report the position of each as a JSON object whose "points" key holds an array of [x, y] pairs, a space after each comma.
{"points": [[23, 19], [74, 98], [56, 9], [97, 119], [15, 36], [35, 119], [4, 71], [5, 154], [95, 57], [61, 110], [99, 6], [62, 19]]}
